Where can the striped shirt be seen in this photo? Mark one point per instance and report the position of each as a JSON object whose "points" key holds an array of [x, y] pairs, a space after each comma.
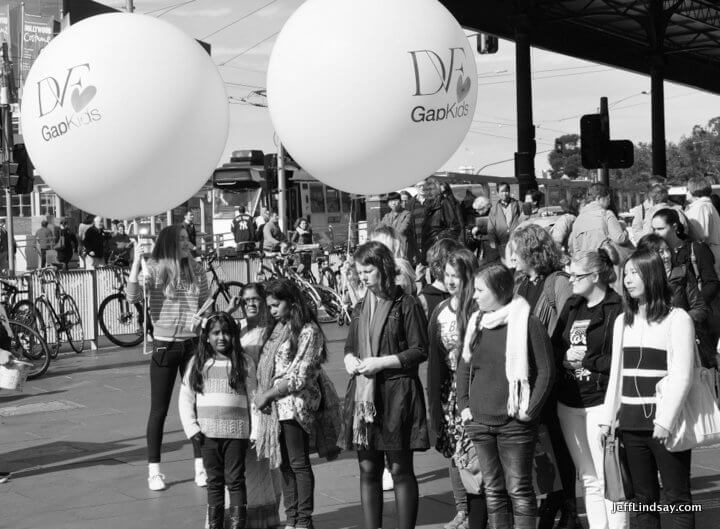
{"points": [[172, 318], [219, 411], [643, 368]]}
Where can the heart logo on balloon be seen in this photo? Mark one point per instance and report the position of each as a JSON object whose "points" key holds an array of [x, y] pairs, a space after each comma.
{"points": [[462, 88], [81, 99]]}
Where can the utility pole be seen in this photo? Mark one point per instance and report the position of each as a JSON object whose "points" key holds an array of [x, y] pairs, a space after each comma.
{"points": [[6, 95], [282, 187], [129, 6]]}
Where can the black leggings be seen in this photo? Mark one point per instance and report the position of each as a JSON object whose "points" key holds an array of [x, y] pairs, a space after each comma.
{"points": [[168, 359], [400, 463]]}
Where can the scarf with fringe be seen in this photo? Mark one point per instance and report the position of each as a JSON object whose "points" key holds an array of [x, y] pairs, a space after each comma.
{"points": [[370, 326], [515, 315], [268, 433]]}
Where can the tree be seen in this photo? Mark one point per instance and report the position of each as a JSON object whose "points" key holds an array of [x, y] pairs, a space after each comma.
{"points": [[567, 161]]}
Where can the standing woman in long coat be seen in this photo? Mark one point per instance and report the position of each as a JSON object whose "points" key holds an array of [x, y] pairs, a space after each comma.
{"points": [[385, 413]]}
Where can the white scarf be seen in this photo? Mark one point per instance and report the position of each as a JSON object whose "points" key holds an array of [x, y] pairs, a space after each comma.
{"points": [[515, 314]]}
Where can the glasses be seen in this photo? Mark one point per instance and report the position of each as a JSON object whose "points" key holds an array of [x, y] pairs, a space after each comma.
{"points": [[253, 301], [577, 277]]}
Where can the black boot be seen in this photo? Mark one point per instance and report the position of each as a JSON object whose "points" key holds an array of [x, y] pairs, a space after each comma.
{"points": [[238, 517], [216, 517], [569, 516], [548, 509]]}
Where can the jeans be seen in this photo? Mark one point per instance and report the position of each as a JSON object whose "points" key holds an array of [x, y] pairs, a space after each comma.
{"points": [[581, 428], [168, 359], [297, 474], [224, 461], [505, 455], [458, 489], [645, 457]]}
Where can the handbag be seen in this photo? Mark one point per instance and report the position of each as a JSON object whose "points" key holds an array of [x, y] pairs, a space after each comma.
{"points": [[466, 461], [618, 486], [328, 420], [698, 423]]}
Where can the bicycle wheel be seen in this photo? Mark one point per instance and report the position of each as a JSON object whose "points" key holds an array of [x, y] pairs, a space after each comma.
{"points": [[120, 321], [42, 307], [72, 323], [224, 293], [24, 312], [27, 345]]}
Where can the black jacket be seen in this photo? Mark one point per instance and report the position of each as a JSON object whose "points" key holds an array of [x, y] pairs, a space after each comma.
{"points": [[442, 221], [597, 359], [94, 241], [703, 268]]}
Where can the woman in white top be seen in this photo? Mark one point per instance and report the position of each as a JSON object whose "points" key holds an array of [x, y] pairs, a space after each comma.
{"points": [[652, 343]]}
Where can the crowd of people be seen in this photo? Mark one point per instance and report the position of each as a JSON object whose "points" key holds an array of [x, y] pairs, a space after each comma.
{"points": [[527, 331]]}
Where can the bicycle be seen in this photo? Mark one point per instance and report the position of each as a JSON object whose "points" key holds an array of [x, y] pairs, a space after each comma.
{"points": [[224, 291], [27, 345], [121, 321], [21, 310], [68, 321]]}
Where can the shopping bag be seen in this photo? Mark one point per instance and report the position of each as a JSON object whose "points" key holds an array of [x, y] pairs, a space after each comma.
{"points": [[546, 477], [468, 466]]}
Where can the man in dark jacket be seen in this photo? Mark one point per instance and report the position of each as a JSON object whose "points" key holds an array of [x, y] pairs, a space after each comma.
{"points": [[189, 224], [442, 220], [66, 244], [94, 243], [243, 230]]}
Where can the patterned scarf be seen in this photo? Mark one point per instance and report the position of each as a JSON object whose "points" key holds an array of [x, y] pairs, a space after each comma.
{"points": [[370, 326], [268, 437]]}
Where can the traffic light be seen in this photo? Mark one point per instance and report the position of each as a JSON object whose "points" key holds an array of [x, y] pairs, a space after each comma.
{"points": [[487, 43], [271, 173], [592, 143]]}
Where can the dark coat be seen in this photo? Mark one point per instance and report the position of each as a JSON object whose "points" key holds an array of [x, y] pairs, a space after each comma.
{"points": [[69, 244], [94, 241], [438, 373], [599, 337], [442, 221]]}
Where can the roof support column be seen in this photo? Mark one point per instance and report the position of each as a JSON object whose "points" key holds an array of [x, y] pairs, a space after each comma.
{"points": [[526, 147], [657, 77]]}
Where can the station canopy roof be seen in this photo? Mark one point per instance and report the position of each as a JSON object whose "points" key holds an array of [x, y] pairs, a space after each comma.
{"points": [[618, 33]]}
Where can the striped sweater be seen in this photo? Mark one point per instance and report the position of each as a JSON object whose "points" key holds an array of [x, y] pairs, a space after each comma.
{"points": [[172, 318], [219, 411], [650, 352]]}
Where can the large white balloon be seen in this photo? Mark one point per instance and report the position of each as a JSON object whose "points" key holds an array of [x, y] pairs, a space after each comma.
{"points": [[124, 115], [370, 96]]}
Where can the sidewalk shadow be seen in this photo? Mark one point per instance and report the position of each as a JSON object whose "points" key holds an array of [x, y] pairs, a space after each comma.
{"points": [[49, 458], [108, 367], [18, 396]]}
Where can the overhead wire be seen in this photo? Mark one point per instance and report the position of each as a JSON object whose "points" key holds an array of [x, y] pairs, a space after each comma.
{"points": [[243, 17]]}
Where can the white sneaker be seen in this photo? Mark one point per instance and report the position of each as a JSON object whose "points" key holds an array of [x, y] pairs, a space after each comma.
{"points": [[201, 478], [156, 482], [387, 480]]}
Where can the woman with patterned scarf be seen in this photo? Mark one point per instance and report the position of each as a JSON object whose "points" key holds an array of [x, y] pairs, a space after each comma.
{"points": [[289, 397], [385, 408]]}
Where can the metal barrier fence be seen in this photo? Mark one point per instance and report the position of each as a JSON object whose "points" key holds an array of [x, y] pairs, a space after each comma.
{"points": [[90, 287]]}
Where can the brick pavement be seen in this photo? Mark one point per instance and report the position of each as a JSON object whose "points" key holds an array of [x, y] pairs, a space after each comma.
{"points": [[75, 441]]}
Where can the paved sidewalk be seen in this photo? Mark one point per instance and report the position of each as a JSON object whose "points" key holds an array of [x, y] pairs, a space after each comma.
{"points": [[75, 442]]}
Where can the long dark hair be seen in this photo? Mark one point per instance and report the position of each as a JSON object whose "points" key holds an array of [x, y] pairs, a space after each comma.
{"points": [[236, 375], [173, 267], [672, 218], [466, 265], [651, 270], [300, 313], [376, 254]]}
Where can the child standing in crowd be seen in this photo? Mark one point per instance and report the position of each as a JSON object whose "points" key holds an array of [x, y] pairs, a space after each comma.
{"points": [[289, 397], [583, 351], [652, 343], [504, 378], [385, 412], [214, 407], [446, 328]]}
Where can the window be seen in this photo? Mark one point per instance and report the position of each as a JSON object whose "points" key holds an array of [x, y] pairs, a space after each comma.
{"points": [[47, 204], [21, 205], [317, 198], [333, 200]]}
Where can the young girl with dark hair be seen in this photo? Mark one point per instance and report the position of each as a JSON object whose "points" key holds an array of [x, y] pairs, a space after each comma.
{"points": [[583, 351], [214, 407], [446, 328], [289, 396], [652, 342], [176, 287], [385, 407], [504, 377]]}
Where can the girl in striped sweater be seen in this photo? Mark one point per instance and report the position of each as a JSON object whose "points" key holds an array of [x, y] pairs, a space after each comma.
{"points": [[215, 412]]}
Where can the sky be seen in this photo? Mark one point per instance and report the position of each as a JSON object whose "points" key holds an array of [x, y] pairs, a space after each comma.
{"points": [[242, 34]]}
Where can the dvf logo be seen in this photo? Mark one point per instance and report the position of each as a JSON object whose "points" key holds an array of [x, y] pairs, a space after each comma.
{"points": [[53, 92], [434, 73]]}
